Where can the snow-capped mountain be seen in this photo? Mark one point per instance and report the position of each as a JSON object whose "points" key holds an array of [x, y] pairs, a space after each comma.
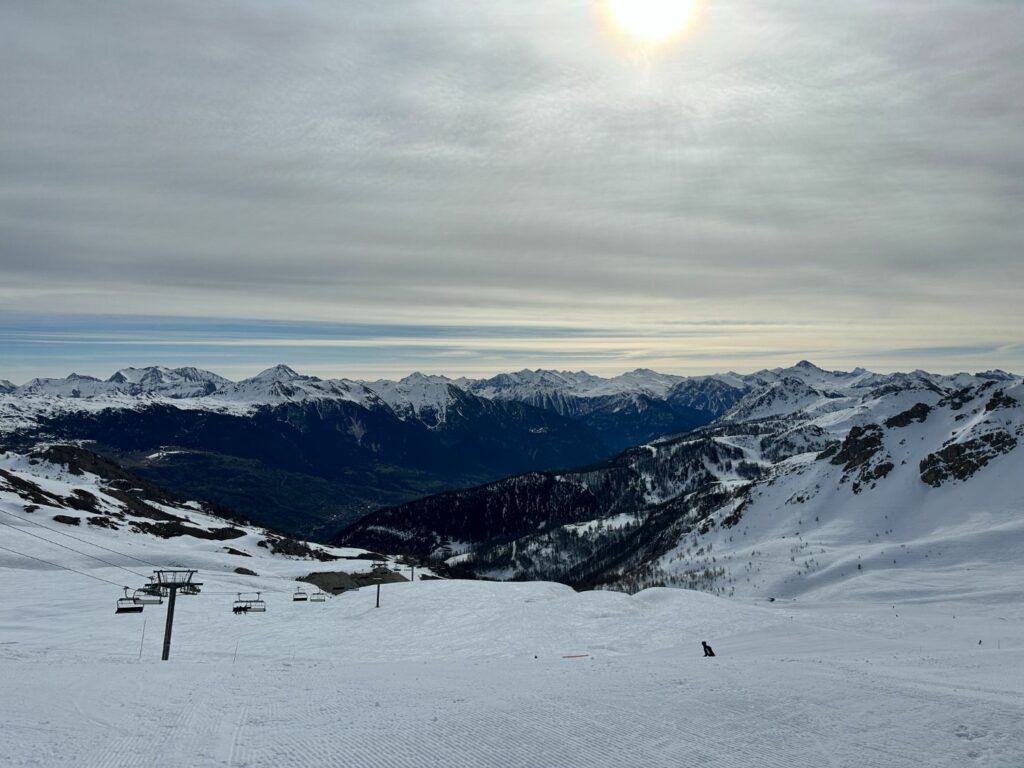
{"points": [[147, 385], [782, 397], [809, 480], [418, 396], [624, 410], [170, 382], [290, 450], [311, 455], [281, 384], [524, 384]]}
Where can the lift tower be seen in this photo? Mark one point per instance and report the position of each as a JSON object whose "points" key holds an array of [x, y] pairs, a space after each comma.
{"points": [[169, 584]]}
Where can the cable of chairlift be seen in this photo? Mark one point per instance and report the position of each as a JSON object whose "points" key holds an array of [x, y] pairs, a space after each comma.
{"points": [[63, 567], [72, 549], [113, 551], [77, 538]]}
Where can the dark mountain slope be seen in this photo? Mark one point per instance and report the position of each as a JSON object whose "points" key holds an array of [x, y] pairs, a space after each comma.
{"points": [[304, 466]]}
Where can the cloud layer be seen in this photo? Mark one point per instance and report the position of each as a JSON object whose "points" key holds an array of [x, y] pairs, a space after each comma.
{"points": [[849, 175]]}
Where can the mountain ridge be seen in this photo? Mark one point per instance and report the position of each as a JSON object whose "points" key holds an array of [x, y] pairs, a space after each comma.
{"points": [[772, 498]]}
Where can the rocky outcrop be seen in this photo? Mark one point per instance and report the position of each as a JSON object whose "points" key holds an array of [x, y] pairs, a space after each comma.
{"points": [[960, 461], [916, 414]]}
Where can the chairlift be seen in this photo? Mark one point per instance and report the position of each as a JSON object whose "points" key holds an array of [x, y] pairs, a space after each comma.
{"points": [[318, 597], [300, 596], [146, 597], [127, 604], [246, 603]]}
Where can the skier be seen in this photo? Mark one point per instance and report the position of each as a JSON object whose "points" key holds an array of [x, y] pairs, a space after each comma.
{"points": [[707, 649]]}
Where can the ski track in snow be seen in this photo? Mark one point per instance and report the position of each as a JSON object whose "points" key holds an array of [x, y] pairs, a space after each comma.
{"points": [[661, 711], [345, 684]]}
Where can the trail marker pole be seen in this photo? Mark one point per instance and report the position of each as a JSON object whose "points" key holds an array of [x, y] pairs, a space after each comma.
{"points": [[378, 594], [143, 639]]}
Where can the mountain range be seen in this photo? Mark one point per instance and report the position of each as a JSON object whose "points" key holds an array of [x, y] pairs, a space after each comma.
{"points": [[811, 478], [630, 481], [309, 455]]}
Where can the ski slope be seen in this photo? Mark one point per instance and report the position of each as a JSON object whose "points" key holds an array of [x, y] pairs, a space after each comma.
{"points": [[923, 666], [454, 673]]}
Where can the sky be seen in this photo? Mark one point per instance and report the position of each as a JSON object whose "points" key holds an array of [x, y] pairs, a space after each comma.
{"points": [[367, 189]]}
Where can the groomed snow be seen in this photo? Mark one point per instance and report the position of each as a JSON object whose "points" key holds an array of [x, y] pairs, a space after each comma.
{"points": [[450, 673]]}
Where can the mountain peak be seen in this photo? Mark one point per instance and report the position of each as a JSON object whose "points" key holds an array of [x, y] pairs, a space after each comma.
{"points": [[279, 372], [418, 376]]}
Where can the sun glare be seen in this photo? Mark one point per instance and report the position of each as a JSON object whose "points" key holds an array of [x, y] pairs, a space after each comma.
{"points": [[651, 21]]}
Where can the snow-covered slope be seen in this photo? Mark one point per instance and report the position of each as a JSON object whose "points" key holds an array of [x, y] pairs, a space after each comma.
{"points": [[68, 504], [789, 493], [488, 675], [920, 666]]}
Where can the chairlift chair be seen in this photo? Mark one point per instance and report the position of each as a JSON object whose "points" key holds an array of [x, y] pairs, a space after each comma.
{"points": [[248, 604], [145, 597], [318, 597], [300, 596], [127, 604]]}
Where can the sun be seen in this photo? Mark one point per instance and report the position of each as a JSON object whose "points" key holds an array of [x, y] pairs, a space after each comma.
{"points": [[651, 21]]}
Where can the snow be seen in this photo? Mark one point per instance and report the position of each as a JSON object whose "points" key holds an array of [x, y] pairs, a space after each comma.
{"points": [[831, 655], [771, 393], [523, 385], [615, 521], [880, 670], [281, 384], [417, 396], [476, 674], [181, 388], [807, 532]]}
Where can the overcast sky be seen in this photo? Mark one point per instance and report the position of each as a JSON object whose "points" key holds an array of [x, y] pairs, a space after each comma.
{"points": [[369, 188]]}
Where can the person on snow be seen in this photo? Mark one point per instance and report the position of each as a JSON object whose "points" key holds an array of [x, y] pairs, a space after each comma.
{"points": [[707, 649]]}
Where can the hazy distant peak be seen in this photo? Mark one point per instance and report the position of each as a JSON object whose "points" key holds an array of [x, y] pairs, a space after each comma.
{"points": [[279, 372]]}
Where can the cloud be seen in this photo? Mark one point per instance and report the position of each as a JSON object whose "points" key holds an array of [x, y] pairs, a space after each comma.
{"points": [[851, 167]]}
